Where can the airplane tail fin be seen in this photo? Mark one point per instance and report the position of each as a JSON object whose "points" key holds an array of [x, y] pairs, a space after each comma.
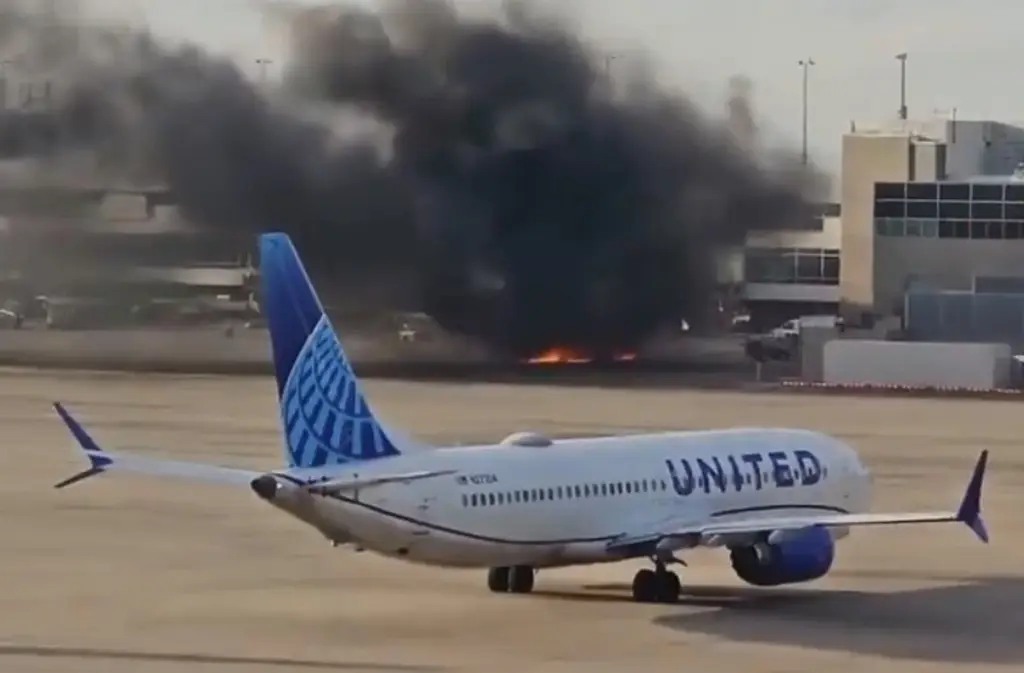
{"points": [[326, 418]]}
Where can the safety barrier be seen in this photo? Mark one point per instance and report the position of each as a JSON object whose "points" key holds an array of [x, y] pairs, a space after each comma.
{"points": [[903, 390]]}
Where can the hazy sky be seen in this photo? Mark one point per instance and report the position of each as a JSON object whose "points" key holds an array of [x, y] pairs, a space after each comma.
{"points": [[966, 54]]}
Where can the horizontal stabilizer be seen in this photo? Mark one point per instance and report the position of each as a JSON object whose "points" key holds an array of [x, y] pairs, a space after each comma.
{"points": [[101, 461]]}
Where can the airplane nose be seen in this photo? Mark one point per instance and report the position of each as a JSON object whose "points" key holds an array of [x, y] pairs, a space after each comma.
{"points": [[265, 487]]}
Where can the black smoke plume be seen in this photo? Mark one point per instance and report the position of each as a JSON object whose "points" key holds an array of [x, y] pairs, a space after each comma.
{"points": [[489, 170]]}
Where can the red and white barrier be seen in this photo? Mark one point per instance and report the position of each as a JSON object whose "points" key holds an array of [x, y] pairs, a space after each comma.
{"points": [[868, 388]]}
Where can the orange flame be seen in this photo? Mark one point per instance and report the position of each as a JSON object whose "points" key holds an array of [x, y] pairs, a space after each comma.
{"points": [[558, 355]]}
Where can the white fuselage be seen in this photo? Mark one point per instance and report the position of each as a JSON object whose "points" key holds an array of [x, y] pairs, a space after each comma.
{"points": [[561, 504]]}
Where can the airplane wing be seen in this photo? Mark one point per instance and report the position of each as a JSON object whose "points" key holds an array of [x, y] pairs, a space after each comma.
{"points": [[684, 534], [101, 461]]}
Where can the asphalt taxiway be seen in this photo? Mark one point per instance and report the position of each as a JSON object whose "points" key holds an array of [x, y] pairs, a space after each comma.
{"points": [[132, 573]]}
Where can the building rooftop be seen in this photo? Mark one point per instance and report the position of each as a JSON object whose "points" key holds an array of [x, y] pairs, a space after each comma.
{"points": [[1015, 177]]}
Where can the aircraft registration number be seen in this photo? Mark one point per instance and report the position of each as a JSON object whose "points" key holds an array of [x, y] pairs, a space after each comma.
{"points": [[477, 479]]}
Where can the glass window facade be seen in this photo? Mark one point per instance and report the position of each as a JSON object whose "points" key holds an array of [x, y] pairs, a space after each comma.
{"points": [[949, 210], [810, 266]]}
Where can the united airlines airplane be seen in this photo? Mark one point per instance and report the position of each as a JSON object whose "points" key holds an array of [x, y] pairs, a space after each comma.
{"points": [[776, 499]]}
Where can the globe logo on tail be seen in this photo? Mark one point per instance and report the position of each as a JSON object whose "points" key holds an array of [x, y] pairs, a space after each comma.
{"points": [[326, 418]]}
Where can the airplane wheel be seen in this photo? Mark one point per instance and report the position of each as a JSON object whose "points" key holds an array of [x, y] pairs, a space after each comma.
{"points": [[520, 579], [498, 579], [669, 587], [645, 586]]}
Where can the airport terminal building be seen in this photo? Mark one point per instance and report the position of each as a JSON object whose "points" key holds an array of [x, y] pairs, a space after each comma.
{"points": [[923, 209]]}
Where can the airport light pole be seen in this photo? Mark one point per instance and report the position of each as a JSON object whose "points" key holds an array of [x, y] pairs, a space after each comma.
{"points": [[608, 60], [4, 86], [902, 58], [950, 114], [263, 64], [805, 66]]}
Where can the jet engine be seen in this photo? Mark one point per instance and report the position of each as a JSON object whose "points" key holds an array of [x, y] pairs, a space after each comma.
{"points": [[800, 556]]}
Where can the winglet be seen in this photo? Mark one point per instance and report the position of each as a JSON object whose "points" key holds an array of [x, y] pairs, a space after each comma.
{"points": [[970, 509], [98, 460]]}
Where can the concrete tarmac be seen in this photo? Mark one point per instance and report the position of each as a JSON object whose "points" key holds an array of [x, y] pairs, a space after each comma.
{"points": [[127, 573]]}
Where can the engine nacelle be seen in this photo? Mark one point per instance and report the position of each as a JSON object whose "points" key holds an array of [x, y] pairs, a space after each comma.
{"points": [[800, 557]]}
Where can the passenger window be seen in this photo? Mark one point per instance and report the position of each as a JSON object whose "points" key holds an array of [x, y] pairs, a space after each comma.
{"points": [[618, 488], [604, 489], [579, 491], [559, 493], [472, 500], [491, 499], [465, 500], [568, 492], [551, 494], [629, 487], [586, 490], [664, 486], [644, 485]]}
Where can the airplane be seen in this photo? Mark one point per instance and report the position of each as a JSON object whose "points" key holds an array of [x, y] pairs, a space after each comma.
{"points": [[777, 499]]}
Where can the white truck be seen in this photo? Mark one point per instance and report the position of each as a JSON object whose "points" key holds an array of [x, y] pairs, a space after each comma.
{"points": [[782, 342], [790, 330]]}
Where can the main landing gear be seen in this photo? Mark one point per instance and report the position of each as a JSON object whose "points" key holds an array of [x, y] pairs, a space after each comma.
{"points": [[656, 586], [514, 579], [649, 586]]}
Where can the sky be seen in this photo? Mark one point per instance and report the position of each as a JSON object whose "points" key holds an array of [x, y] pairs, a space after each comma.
{"points": [[962, 54]]}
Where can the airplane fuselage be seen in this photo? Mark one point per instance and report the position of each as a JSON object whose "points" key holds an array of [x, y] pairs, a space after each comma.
{"points": [[547, 506]]}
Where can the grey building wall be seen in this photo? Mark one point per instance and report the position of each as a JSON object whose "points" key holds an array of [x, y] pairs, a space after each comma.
{"points": [[939, 263], [975, 147], [948, 316]]}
